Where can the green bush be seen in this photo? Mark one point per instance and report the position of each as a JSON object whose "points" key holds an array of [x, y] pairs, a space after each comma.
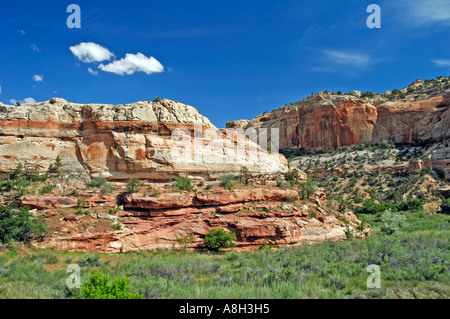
{"points": [[18, 224], [97, 182], [227, 181], [100, 286], [134, 185], [392, 222], [219, 238], [370, 207], [184, 184]]}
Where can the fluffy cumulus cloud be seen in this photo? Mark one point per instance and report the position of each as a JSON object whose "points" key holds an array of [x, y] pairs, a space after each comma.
{"points": [[38, 78], [133, 63], [90, 52]]}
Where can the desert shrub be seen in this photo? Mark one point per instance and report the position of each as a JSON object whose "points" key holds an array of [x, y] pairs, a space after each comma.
{"points": [[117, 226], [219, 238], [107, 188], [157, 99], [18, 224], [52, 101], [100, 286], [292, 177], [89, 260], [134, 185], [184, 183], [244, 175], [227, 181], [97, 182], [282, 183], [47, 188], [209, 186], [391, 222], [308, 188]]}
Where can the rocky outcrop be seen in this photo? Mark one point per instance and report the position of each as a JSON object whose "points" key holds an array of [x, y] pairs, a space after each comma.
{"points": [[124, 141], [328, 121], [255, 215]]}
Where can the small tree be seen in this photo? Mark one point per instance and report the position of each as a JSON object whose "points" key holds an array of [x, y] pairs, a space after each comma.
{"points": [[17, 224], [219, 238]]}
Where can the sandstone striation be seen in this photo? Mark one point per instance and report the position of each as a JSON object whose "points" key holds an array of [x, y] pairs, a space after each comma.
{"points": [[123, 141]]}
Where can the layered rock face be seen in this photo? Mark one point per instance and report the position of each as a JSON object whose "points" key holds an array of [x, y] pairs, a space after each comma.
{"points": [[123, 141], [255, 215], [327, 121]]}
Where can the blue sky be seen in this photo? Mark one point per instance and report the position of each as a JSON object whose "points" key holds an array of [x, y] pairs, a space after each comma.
{"points": [[229, 59]]}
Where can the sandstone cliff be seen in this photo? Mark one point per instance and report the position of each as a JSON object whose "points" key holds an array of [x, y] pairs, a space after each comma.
{"points": [[419, 114], [121, 141]]}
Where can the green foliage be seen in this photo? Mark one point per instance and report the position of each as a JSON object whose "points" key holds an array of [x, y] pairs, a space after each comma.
{"points": [[219, 238], [18, 179], [18, 224], [97, 182], [117, 226], [244, 175], [370, 207], [52, 101], [100, 286], [47, 188], [134, 185], [392, 222], [56, 167], [308, 188], [184, 183], [89, 260], [227, 181], [157, 99], [292, 176]]}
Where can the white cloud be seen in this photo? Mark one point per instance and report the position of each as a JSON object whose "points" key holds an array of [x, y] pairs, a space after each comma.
{"points": [[29, 100], [89, 52], [419, 12], [34, 47], [133, 63], [22, 32], [92, 71], [442, 63], [347, 58], [25, 100], [38, 78]]}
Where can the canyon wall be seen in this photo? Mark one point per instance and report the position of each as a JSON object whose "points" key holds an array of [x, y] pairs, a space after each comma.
{"points": [[123, 141]]}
